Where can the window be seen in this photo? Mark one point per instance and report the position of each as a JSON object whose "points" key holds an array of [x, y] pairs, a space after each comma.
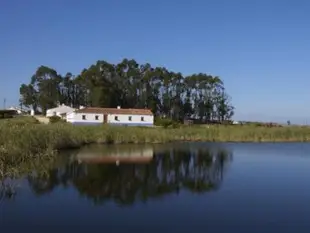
{"points": [[116, 118], [97, 118], [84, 117], [130, 118], [142, 118]]}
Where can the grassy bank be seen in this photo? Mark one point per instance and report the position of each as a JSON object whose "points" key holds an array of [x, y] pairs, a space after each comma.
{"points": [[26, 137]]}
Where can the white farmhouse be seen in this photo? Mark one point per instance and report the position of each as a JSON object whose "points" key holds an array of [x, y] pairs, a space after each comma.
{"points": [[116, 116], [60, 111]]}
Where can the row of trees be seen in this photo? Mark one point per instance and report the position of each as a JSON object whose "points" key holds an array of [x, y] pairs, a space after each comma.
{"points": [[130, 85]]}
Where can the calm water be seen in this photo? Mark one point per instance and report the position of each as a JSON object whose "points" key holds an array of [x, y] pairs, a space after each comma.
{"points": [[188, 187]]}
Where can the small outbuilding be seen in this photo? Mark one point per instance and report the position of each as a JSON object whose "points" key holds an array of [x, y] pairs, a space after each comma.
{"points": [[115, 116], [18, 110], [61, 111]]}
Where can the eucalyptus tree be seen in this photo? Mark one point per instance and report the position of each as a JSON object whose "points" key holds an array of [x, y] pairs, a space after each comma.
{"points": [[131, 85]]}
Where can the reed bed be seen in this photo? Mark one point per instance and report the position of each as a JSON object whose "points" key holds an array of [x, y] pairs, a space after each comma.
{"points": [[28, 138]]}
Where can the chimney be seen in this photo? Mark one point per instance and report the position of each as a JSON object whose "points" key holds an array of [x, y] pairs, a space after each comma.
{"points": [[118, 107]]}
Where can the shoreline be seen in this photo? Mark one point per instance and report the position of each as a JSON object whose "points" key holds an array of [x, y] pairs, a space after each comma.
{"points": [[27, 137]]}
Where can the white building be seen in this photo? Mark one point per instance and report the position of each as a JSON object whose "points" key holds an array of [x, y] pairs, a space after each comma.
{"points": [[60, 111], [18, 110], [116, 116]]}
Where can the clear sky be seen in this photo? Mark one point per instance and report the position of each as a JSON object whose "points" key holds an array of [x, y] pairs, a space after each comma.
{"points": [[261, 49]]}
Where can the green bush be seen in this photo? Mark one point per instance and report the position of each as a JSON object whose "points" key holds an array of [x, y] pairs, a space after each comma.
{"points": [[19, 121], [56, 119], [5, 116], [167, 123]]}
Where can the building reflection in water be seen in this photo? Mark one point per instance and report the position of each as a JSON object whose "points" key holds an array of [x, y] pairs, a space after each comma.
{"points": [[134, 154], [143, 172]]}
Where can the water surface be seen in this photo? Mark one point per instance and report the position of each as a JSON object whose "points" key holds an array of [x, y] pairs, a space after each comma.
{"points": [[183, 187]]}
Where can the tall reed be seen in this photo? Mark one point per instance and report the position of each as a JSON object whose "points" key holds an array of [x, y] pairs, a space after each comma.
{"points": [[32, 139]]}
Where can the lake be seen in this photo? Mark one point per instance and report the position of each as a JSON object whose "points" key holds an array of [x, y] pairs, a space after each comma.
{"points": [[179, 187]]}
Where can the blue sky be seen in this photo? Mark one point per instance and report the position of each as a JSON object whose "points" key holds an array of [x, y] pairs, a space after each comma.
{"points": [[259, 48]]}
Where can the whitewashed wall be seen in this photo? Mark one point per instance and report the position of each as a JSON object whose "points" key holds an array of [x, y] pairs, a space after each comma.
{"points": [[90, 118], [77, 118], [50, 114], [59, 111], [135, 119]]}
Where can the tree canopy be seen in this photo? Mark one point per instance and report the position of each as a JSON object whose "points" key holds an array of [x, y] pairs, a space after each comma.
{"points": [[130, 85]]}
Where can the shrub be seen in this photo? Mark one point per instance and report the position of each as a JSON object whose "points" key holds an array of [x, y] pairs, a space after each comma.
{"points": [[5, 116], [166, 122], [56, 119]]}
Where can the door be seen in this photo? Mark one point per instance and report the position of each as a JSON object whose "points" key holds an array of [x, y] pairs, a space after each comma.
{"points": [[105, 118]]}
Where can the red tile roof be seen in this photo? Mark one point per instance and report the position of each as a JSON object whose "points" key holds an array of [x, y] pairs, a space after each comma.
{"points": [[121, 111]]}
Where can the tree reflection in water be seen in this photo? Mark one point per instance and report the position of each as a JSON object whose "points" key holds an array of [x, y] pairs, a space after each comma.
{"points": [[197, 170]]}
